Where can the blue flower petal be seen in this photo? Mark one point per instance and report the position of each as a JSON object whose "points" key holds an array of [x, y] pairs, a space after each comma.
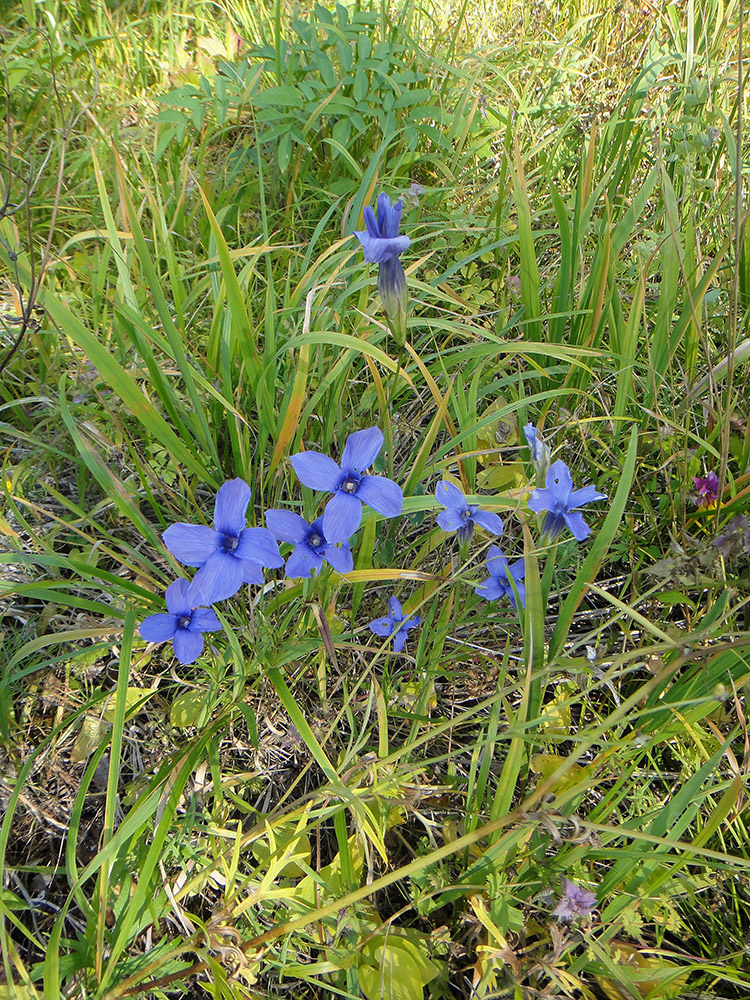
{"points": [[317, 471], [587, 494], [395, 610], [497, 564], [191, 544], [450, 496], [383, 495], [559, 482], [380, 251], [490, 589], [177, 598], [361, 449], [371, 223], [220, 578], [303, 561], [382, 626], [188, 645], [339, 557], [542, 499], [400, 640], [342, 516], [554, 524], [575, 522], [529, 432], [521, 595], [518, 569], [450, 520], [204, 620], [287, 526], [258, 545], [158, 628], [489, 521], [252, 572], [392, 219], [230, 510], [384, 215]]}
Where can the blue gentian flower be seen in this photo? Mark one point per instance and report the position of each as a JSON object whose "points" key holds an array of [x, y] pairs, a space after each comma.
{"points": [[229, 554], [461, 516], [395, 622], [183, 624], [382, 246], [540, 452], [349, 486], [312, 548], [560, 501], [498, 582]]}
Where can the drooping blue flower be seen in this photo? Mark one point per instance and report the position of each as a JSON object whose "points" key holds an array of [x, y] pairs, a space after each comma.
{"points": [[498, 583], [575, 902], [349, 486], [183, 623], [540, 452], [395, 623], [382, 245], [312, 548], [229, 554], [460, 516], [561, 501]]}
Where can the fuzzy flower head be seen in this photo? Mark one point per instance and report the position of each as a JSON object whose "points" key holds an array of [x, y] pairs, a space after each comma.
{"points": [[460, 516], [561, 501], [382, 245], [350, 487], [229, 554], [183, 623], [735, 539], [311, 548], [707, 488], [541, 456], [395, 623], [498, 584], [575, 902]]}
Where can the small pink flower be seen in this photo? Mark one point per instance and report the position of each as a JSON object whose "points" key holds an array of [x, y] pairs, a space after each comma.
{"points": [[707, 489]]}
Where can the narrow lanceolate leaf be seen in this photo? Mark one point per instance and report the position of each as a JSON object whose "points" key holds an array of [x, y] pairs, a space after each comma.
{"points": [[242, 329], [292, 409], [529, 270]]}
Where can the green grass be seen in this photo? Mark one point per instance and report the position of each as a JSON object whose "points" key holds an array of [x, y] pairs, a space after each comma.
{"points": [[302, 811]]}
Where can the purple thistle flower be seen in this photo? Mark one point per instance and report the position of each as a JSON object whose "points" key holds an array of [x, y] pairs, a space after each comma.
{"points": [[382, 246], [183, 623], [396, 623], [498, 583], [461, 516], [575, 902], [312, 548], [560, 501], [229, 554], [349, 486], [708, 489]]}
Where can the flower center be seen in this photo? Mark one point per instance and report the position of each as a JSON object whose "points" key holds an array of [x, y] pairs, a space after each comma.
{"points": [[350, 485], [465, 514], [314, 540], [229, 542], [183, 621]]}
